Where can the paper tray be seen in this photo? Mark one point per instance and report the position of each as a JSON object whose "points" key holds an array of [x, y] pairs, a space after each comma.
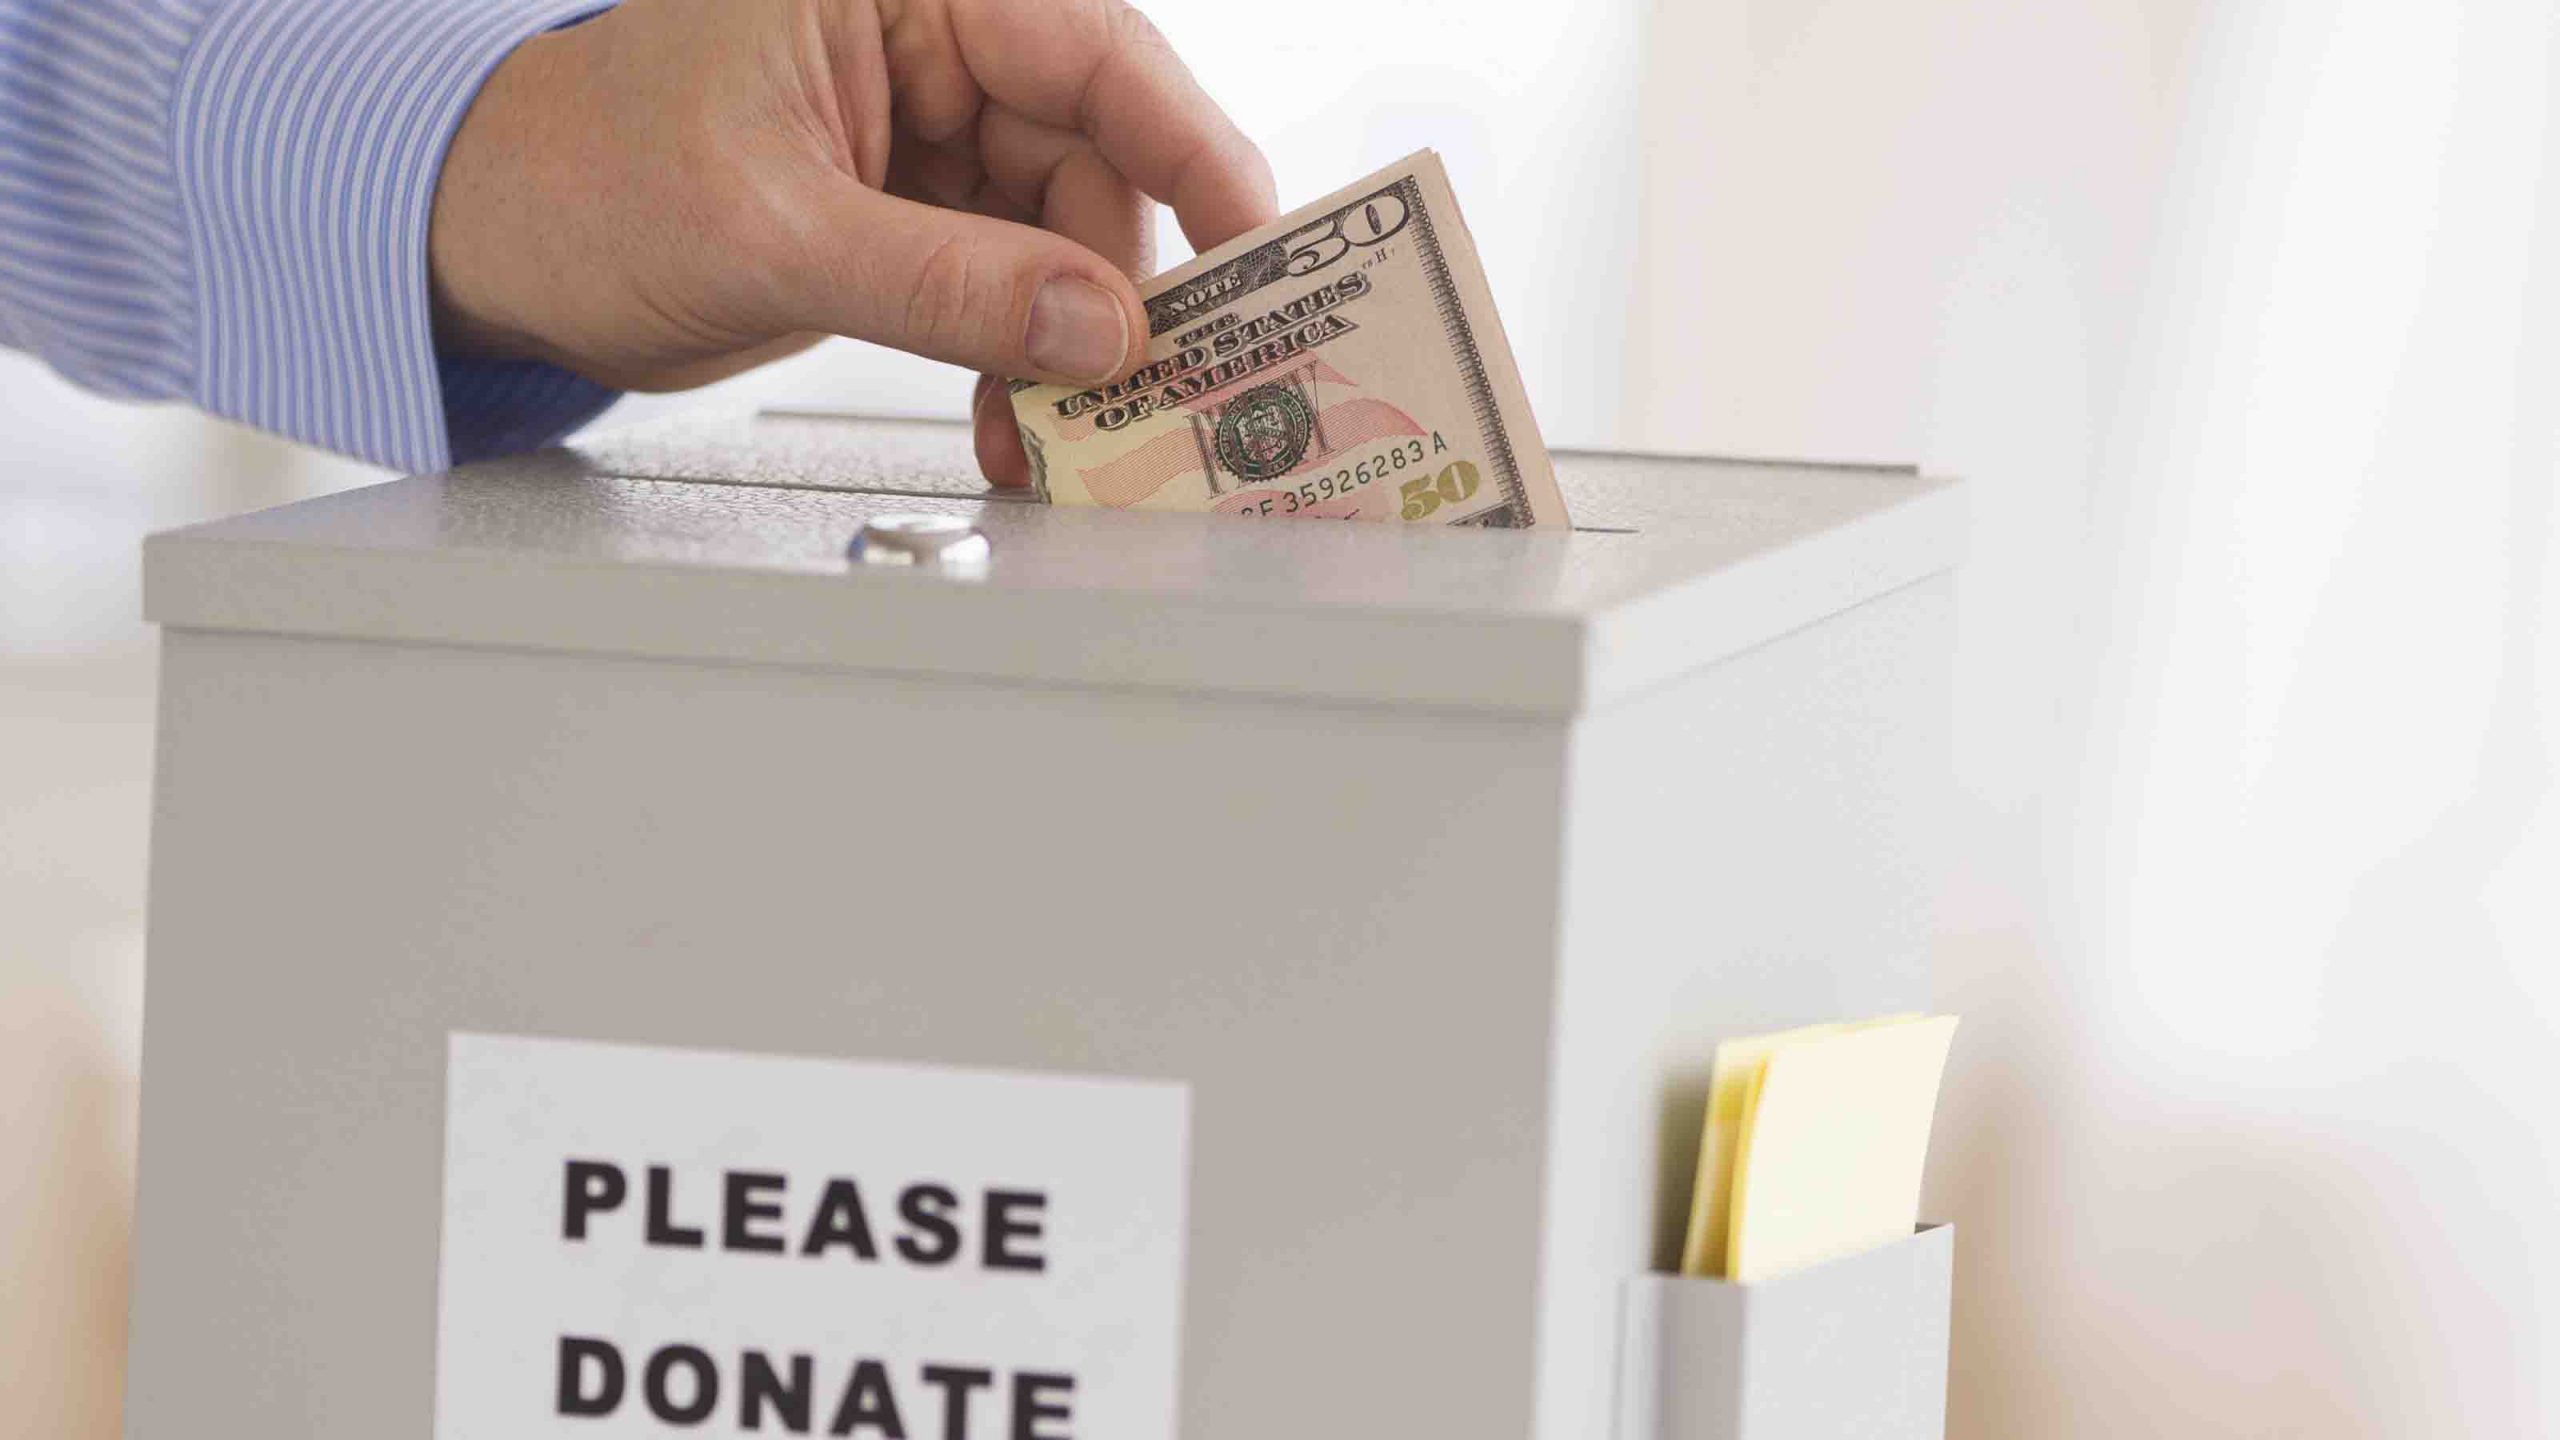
{"points": [[1854, 1349]]}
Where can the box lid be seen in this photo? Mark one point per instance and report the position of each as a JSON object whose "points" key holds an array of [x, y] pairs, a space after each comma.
{"points": [[723, 538]]}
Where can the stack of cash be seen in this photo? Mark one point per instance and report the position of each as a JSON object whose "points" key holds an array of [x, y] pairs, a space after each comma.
{"points": [[1344, 362]]}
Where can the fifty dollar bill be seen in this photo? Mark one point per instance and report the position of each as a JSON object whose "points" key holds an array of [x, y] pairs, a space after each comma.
{"points": [[1344, 361]]}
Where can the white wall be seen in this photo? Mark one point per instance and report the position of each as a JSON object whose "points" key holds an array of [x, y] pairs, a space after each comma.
{"points": [[2239, 317]]}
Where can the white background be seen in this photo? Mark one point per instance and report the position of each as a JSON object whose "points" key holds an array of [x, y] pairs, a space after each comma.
{"points": [[2238, 314], [1111, 1158]]}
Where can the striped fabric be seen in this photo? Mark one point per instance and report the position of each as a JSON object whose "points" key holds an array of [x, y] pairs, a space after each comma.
{"points": [[225, 202]]}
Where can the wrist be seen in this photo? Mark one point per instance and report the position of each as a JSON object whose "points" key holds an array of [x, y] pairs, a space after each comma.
{"points": [[485, 259]]}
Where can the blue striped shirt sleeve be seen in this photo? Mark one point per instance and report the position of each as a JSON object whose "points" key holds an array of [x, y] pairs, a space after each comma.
{"points": [[225, 202]]}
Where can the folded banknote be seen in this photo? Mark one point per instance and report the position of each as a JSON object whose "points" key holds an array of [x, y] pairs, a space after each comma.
{"points": [[1342, 362]]}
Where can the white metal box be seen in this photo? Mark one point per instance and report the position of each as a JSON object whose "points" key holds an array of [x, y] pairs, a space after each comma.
{"points": [[1434, 863]]}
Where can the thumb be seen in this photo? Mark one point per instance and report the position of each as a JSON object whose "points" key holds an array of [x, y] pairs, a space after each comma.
{"points": [[988, 294]]}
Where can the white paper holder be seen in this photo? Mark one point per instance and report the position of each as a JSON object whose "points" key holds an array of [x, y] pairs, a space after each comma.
{"points": [[1852, 1349]]}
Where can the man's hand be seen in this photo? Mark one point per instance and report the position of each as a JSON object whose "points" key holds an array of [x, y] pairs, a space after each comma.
{"points": [[679, 190]]}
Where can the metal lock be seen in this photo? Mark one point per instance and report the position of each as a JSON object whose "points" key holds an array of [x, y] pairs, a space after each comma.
{"points": [[945, 543]]}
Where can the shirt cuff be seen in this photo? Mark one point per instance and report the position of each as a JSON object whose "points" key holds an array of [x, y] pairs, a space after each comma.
{"points": [[308, 136]]}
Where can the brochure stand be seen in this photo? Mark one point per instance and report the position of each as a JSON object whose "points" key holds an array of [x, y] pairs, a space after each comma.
{"points": [[1427, 866]]}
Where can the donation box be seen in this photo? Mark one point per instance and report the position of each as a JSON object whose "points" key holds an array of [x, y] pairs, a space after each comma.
{"points": [[653, 939]]}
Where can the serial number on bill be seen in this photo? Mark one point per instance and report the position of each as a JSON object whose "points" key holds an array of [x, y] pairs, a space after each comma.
{"points": [[1422, 494]]}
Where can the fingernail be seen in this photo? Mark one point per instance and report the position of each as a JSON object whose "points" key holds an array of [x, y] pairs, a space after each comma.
{"points": [[1077, 329]]}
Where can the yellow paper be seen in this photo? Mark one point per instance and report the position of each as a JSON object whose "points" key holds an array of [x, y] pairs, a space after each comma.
{"points": [[1834, 1137], [1737, 1066], [1731, 1092]]}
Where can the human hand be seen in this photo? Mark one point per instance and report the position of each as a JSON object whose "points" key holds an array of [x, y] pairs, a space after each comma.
{"points": [[680, 190]]}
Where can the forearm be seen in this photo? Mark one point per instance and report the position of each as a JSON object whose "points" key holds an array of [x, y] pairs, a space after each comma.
{"points": [[228, 204]]}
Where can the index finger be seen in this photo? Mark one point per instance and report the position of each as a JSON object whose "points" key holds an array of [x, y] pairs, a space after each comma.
{"points": [[1100, 67]]}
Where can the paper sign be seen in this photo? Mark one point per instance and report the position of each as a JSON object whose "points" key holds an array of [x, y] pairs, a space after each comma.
{"points": [[652, 1242]]}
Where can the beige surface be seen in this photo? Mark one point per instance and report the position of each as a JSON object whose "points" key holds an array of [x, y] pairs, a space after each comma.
{"points": [[81, 482]]}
